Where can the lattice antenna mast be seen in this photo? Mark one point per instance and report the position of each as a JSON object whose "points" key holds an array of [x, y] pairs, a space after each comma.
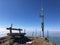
{"points": [[42, 16], [47, 34], [42, 23], [11, 25]]}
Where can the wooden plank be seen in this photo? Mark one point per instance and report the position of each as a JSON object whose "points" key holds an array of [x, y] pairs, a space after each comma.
{"points": [[13, 29]]}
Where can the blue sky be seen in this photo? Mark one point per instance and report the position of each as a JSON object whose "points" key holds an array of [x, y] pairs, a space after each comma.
{"points": [[25, 14]]}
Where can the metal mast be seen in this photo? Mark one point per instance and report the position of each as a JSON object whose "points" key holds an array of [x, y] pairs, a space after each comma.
{"points": [[47, 34], [42, 24]]}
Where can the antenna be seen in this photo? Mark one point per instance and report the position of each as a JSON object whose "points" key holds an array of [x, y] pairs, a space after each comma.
{"points": [[24, 30], [40, 33], [33, 34], [47, 34], [11, 25], [42, 23], [36, 33], [42, 16]]}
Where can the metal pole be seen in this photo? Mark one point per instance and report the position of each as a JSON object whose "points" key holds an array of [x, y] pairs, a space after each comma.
{"points": [[42, 15]]}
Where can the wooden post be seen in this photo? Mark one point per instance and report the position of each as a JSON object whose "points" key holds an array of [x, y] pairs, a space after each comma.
{"points": [[19, 31], [11, 30]]}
